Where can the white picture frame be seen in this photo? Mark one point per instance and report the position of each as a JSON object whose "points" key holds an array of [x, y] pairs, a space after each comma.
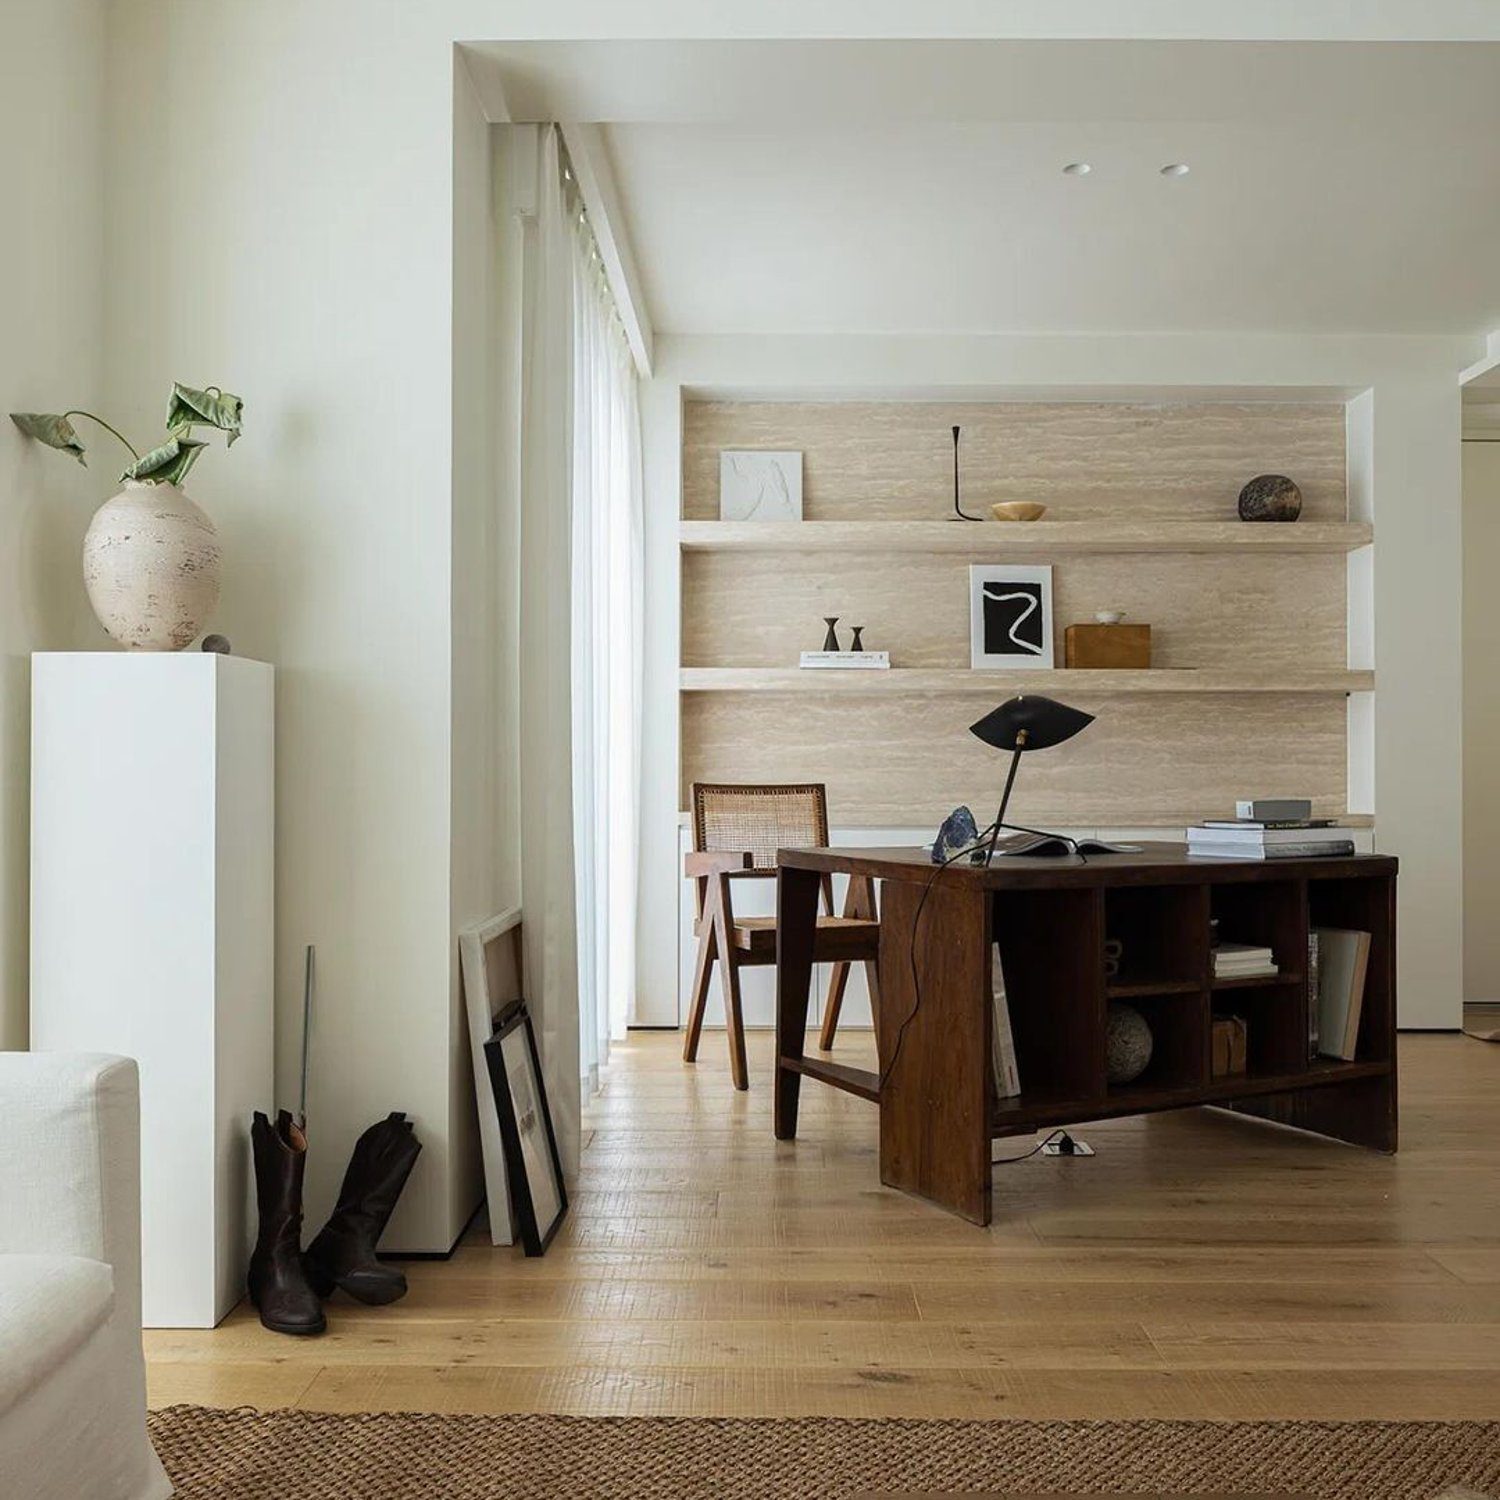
{"points": [[759, 485], [490, 970], [1010, 618]]}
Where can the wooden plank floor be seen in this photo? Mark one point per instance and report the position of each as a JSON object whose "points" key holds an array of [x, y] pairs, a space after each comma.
{"points": [[1201, 1265]]}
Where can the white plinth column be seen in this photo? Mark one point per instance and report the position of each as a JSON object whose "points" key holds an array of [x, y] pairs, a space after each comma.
{"points": [[152, 829]]}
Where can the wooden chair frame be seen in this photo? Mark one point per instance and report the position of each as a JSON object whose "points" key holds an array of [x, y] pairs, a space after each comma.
{"points": [[851, 936]]}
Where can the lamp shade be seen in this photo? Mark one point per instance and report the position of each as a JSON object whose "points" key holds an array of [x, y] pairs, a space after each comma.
{"points": [[1046, 722]]}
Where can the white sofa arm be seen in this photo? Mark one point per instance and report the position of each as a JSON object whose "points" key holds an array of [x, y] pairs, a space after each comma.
{"points": [[70, 1173]]}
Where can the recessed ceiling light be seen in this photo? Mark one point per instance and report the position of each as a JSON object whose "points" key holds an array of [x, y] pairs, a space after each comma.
{"points": [[1175, 169], [1078, 169]]}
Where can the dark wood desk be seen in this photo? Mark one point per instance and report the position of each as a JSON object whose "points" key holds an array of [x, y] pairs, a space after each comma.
{"points": [[938, 1107]]}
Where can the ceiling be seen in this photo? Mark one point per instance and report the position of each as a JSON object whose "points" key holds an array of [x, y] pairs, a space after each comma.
{"points": [[772, 187]]}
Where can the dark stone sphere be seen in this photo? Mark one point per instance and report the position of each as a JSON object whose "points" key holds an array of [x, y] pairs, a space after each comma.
{"points": [[1270, 497], [217, 644]]}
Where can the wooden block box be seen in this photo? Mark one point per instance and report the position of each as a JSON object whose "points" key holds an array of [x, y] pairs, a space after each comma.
{"points": [[1229, 1047], [1123, 646]]}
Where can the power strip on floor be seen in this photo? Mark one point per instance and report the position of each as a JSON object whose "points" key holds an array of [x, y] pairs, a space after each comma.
{"points": [[1068, 1146]]}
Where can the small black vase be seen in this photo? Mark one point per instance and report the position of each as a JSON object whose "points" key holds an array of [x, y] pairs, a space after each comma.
{"points": [[831, 640]]}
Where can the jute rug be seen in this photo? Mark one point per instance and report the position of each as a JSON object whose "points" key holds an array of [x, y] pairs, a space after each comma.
{"points": [[291, 1455]]}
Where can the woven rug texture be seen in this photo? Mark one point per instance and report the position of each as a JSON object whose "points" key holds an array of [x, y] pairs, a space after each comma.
{"points": [[293, 1455]]}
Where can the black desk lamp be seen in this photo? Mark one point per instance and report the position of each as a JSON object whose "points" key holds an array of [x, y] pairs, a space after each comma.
{"points": [[1026, 722]]}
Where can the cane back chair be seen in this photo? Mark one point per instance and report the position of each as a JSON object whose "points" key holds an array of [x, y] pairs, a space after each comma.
{"points": [[737, 830]]}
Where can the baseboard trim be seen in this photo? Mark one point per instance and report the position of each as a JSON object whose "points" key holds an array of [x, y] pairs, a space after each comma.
{"points": [[434, 1254]]}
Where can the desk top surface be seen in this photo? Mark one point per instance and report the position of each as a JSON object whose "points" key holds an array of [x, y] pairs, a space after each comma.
{"points": [[1155, 864]]}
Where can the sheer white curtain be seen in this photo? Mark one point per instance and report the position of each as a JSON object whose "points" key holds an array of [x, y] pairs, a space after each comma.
{"points": [[606, 652], [550, 923]]}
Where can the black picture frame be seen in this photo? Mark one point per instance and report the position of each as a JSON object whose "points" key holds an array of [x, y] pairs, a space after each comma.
{"points": [[531, 1197]]}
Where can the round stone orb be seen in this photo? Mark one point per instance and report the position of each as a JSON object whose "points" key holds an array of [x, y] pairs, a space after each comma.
{"points": [[1270, 497], [1127, 1043]]}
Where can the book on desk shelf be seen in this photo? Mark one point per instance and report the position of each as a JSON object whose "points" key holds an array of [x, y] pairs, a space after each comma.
{"points": [[1244, 961], [1343, 963], [1002, 1040], [1314, 965]]}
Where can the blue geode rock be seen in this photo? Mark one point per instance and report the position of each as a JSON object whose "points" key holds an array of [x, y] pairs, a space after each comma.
{"points": [[958, 832]]}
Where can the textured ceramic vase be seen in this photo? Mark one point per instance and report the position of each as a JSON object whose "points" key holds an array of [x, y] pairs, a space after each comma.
{"points": [[1127, 1043], [151, 563]]}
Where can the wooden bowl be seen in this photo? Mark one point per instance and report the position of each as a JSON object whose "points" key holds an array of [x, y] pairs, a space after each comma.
{"points": [[1018, 510]]}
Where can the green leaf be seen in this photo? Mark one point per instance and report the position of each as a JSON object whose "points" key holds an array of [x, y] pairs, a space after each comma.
{"points": [[211, 408], [56, 432], [168, 464]]}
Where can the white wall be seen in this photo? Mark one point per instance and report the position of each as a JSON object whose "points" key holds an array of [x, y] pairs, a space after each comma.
{"points": [[281, 222], [1404, 426], [1481, 629], [51, 183]]}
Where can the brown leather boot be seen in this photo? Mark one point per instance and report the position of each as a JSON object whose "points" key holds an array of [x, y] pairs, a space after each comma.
{"points": [[343, 1254], [278, 1285]]}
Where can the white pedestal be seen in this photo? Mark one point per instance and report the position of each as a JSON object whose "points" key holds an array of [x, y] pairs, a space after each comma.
{"points": [[152, 831]]}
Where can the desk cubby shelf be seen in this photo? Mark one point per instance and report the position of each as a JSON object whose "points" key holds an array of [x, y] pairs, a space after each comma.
{"points": [[1058, 1016], [1039, 538], [1040, 1110]]}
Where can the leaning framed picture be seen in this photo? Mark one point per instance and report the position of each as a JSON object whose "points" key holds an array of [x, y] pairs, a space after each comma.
{"points": [[538, 1196], [490, 963], [1010, 616]]}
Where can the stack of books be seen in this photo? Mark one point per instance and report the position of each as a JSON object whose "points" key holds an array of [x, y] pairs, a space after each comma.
{"points": [[879, 661], [1283, 829], [1244, 961]]}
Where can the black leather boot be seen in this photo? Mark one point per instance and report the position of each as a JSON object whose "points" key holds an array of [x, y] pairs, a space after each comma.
{"points": [[278, 1284], [343, 1254]]}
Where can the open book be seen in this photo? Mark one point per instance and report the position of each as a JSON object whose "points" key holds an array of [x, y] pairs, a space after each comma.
{"points": [[1050, 845]]}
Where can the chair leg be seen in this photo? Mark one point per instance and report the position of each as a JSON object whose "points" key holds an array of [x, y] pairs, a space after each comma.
{"points": [[729, 980], [859, 901], [702, 973], [834, 1004], [729, 976]]}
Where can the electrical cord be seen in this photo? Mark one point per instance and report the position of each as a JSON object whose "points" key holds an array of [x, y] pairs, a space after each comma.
{"points": [[1041, 1145], [916, 922], [916, 982]]}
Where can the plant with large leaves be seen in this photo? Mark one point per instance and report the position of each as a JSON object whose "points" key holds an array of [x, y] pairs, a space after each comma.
{"points": [[168, 462]]}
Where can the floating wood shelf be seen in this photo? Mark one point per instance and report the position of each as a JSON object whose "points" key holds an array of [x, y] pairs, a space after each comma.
{"points": [[1050, 538], [989, 683]]}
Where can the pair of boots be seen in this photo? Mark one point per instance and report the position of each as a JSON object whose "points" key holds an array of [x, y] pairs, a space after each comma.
{"points": [[287, 1283]]}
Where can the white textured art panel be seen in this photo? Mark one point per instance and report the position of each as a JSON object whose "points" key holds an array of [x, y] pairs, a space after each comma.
{"points": [[760, 486]]}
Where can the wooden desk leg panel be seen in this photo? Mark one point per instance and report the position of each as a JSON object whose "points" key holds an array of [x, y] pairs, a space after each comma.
{"points": [[796, 932], [935, 1107]]}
